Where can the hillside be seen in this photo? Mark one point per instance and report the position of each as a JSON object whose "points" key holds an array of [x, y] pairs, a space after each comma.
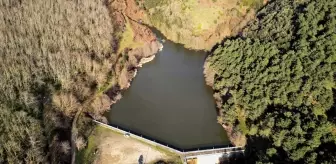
{"points": [[275, 84], [60, 57], [195, 24]]}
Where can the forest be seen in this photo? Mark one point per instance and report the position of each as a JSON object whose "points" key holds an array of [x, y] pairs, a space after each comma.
{"points": [[58, 57], [275, 83]]}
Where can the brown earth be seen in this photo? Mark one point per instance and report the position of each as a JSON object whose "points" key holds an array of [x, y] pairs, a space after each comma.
{"points": [[114, 147], [233, 18]]}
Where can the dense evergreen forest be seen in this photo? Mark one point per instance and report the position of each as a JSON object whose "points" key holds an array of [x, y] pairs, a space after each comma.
{"points": [[277, 83]]}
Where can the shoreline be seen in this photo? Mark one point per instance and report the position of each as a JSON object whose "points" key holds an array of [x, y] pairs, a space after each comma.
{"points": [[236, 138]]}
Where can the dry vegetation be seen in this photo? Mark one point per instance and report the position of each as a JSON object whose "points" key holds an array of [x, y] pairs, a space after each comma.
{"points": [[56, 55], [198, 24]]}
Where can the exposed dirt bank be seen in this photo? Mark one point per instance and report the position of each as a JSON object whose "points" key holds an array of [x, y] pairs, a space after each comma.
{"points": [[136, 45]]}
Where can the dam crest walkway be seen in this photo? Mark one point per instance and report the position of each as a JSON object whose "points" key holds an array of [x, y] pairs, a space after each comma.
{"points": [[185, 155]]}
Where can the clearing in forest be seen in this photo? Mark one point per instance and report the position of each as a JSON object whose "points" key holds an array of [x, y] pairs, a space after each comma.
{"points": [[105, 146]]}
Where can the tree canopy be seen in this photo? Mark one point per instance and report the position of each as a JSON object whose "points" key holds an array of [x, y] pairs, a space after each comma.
{"points": [[54, 55], [277, 81]]}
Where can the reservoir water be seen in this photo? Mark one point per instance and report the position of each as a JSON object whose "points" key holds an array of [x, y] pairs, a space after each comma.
{"points": [[169, 101]]}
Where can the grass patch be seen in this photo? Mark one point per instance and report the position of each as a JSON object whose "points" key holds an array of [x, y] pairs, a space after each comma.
{"points": [[159, 148], [106, 86], [173, 157], [253, 3], [200, 17], [154, 3], [88, 154], [242, 120], [103, 130], [205, 16], [127, 39], [173, 161]]}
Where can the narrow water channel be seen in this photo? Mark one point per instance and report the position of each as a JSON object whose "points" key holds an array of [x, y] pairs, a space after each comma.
{"points": [[169, 101]]}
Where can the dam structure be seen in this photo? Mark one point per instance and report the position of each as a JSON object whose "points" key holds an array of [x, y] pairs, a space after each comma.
{"points": [[190, 154]]}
